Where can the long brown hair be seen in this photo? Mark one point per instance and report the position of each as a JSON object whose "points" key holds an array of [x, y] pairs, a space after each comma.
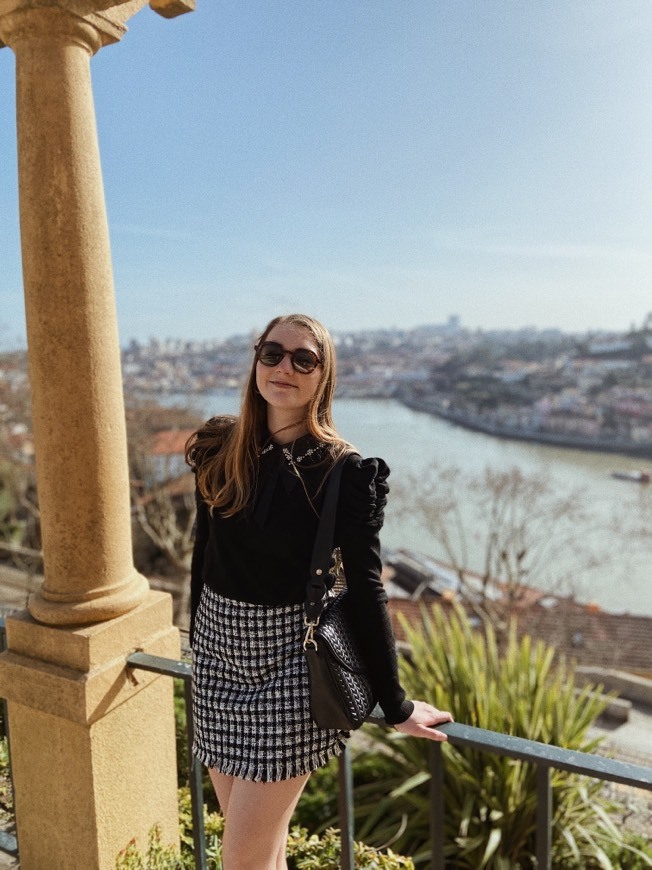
{"points": [[224, 452]]}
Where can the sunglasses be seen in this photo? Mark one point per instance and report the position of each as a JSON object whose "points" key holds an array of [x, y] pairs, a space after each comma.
{"points": [[270, 353]]}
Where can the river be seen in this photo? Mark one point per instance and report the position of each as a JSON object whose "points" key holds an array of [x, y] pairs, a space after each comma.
{"points": [[411, 441]]}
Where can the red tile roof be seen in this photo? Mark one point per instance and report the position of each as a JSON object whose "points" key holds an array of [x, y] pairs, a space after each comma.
{"points": [[583, 634], [170, 442]]}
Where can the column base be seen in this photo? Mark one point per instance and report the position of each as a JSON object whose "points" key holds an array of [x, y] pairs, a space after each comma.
{"points": [[58, 611], [92, 742]]}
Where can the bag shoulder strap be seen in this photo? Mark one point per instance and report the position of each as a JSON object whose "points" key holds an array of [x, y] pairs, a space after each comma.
{"points": [[323, 548]]}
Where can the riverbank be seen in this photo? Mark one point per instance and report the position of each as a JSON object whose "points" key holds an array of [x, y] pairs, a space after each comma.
{"points": [[475, 423], [617, 578]]}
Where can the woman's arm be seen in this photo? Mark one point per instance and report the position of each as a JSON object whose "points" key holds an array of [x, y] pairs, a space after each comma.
{"points": [[362, 499], [363, 496]]}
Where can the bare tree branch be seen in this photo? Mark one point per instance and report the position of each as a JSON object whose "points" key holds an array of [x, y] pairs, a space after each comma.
{"points": [[503, 532]]}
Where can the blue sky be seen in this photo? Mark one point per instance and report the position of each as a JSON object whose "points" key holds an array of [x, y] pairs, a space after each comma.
{"points": [[375, 163]]}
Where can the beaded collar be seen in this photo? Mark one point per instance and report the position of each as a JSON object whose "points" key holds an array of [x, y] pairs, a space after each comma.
{"points": [[287, 452]]}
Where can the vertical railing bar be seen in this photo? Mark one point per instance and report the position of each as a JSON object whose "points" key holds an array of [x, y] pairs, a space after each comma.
{"points": [[436, 768], [543, 817], [196, 785], [345, 807]]}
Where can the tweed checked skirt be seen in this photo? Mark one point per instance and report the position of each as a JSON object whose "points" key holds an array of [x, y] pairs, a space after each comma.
{"points": [[251, 705]]}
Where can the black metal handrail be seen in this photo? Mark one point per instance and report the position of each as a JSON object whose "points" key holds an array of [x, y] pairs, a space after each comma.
{"points": [[545, 757]]}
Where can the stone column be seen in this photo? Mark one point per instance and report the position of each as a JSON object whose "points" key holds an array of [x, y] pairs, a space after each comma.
{"points": [[74, 354], [92, 743]]}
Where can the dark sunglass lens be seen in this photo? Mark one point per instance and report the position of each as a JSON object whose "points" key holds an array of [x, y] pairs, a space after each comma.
{"points": [[304, 361], [270, 354]]}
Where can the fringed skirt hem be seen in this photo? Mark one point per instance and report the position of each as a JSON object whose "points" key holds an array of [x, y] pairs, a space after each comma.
{"points": [[265, 773]]}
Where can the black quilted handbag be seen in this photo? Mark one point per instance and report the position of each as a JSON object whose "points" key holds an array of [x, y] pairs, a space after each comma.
{"points": [[341, 696]]}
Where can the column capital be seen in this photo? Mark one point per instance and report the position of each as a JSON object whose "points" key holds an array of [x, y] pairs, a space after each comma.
{"points": [[50, 23], [107, 17]]}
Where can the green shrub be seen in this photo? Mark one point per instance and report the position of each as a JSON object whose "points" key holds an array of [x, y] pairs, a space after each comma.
{"points": [[490, 800], [305, 851], [311, 852], [6, 789], [157, 857], [634, 854]]}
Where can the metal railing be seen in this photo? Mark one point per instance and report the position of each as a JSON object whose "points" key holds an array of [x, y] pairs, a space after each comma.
{"points": [[543, 756]]}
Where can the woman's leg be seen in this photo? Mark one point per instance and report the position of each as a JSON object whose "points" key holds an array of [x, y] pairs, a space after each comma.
{"points": [[281, 856], [256, 820], [222, 785]]}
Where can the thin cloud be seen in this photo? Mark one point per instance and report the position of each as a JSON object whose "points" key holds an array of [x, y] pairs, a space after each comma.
{"points": [[557, 251], [568, 252]]}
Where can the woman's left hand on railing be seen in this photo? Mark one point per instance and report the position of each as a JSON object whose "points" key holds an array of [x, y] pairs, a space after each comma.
{"points": [[420, 723]]}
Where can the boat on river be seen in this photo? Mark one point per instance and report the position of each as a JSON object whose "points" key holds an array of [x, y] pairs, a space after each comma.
{"points": [[637, 476]]}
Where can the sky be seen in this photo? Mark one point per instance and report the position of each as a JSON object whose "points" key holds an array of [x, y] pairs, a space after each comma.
{"points": [[374, 163]]}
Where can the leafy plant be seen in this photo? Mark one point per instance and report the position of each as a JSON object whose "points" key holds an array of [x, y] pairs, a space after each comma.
{"points": [[490, 800], [305, 851], [634, 854], [157, 856], [6, 788], [311, 852]]}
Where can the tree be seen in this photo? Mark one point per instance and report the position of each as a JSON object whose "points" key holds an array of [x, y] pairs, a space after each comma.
{"points": [[163, 502], [633, 522], [503, 532], [20, 539], [162, 493], [162, 489]]}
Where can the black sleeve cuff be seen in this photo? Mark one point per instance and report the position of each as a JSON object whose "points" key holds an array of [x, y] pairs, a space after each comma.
{"points": [[400, 714]]}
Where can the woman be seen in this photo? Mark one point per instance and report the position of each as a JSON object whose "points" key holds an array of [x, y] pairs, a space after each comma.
{"points": [[260, 485]]}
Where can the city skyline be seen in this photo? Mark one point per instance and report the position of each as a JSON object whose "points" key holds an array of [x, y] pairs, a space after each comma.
{"points": [[453, 325], [376, 167]]}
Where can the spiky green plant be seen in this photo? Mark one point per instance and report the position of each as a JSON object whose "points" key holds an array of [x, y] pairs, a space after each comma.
{"points": [[304, 851], [490, 800]]}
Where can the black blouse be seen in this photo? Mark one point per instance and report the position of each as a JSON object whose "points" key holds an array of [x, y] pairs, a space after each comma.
{"points": [[262, 554]]}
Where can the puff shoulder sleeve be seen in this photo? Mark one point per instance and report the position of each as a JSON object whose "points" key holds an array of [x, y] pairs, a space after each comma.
{"points": [[360, 514]]}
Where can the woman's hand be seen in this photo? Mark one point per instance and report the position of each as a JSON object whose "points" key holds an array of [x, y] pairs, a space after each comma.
{"points": [[423, 716]]}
